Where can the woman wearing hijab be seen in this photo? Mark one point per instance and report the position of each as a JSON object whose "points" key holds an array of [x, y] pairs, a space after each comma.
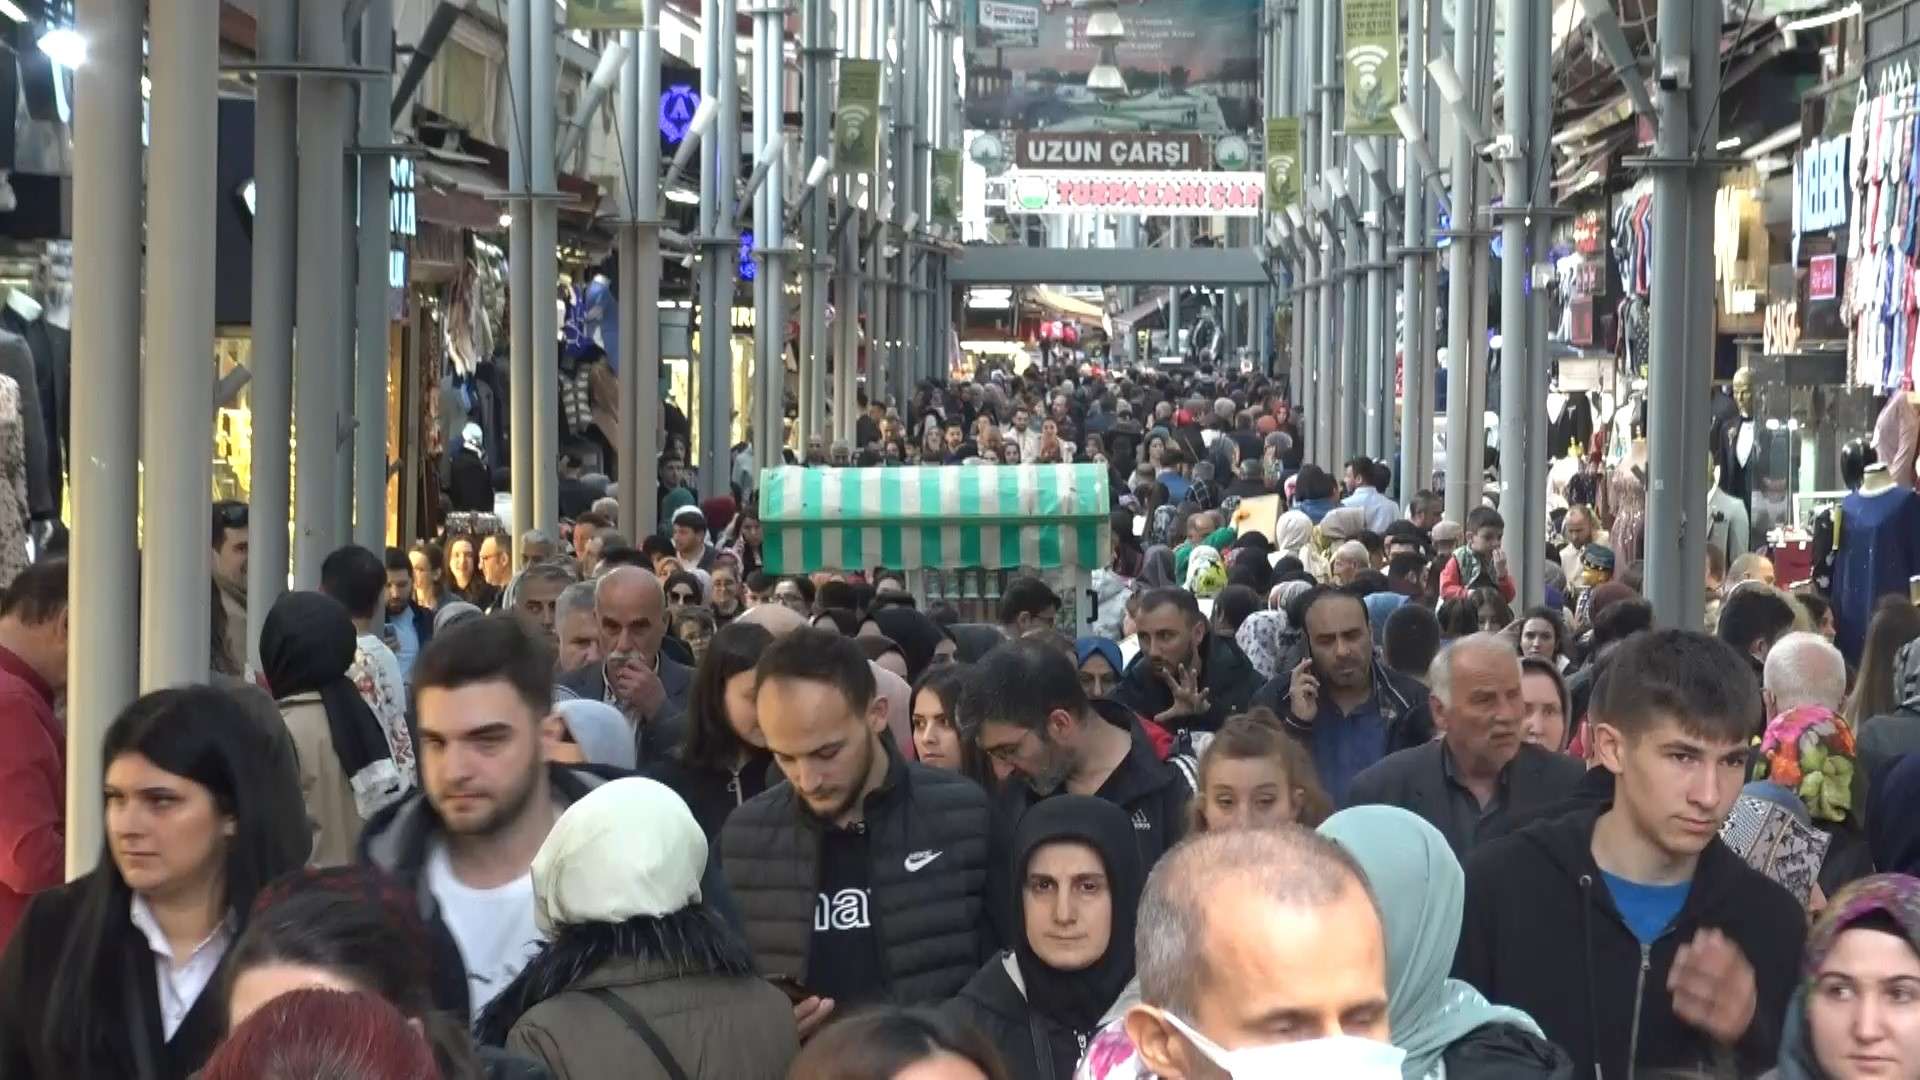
{"points": [[922, 641], [1855, 1015], [1078, 877], [1292, 533], [347, 771], [1100, 665], [1259, 638], [1156, 572], [639, 978], [1446, 1027]]}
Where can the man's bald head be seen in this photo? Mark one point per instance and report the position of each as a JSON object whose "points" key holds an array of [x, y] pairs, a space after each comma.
{"points": [[1471, 650], [1288, 866], [776, 619], [632, 610]]}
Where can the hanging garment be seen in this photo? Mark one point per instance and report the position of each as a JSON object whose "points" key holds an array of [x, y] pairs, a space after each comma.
{"points": [[13, 483], [1628, 494], [16, 363], [1896, 437], [1879, 553], [1729, 526], [44, 396]]}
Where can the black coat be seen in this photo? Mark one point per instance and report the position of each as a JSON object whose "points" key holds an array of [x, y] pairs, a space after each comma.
{"points": [[1155, 793], [1505, 1052], [661, 735], [26, 981], [1541, 933], [470, 487], [713, 794], [1415, 780], [929, 919], [1229, 677], [1403, 705], [1032, 1045]]}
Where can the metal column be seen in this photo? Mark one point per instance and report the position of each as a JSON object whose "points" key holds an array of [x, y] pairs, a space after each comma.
{"points": [[1680, 367], [1539, 311], [544, 392], [520, 317], [769, 231], [103, 575], [1416, 419], [275, 252], [1519, 506], [720, 161], [370, 299], [816, 104], [640, 280], [1463, 347], [1379, 318], [324, 124], [1326, 448], [176, 418]]}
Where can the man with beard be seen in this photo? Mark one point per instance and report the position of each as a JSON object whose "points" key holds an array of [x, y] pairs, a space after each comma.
{"points": [[408, 624], [576, 627], [649, 689], [864, 875], [538, 594], [1031, 718], [1343, 701], [1186, 676], [466, 844]]}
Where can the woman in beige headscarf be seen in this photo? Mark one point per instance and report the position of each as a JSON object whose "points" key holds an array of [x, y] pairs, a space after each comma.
{"points": [[1339, 526]]}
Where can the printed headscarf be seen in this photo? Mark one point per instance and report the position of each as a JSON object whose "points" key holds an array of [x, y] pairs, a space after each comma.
{"points": [[1259, 638], [1895, 896], [1809, 751]]}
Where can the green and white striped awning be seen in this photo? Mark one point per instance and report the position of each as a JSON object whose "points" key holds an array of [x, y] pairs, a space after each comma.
{"points": [[985, 516]]}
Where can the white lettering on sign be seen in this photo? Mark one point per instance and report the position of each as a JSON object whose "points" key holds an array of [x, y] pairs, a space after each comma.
{"points": [[1000, 15], [1108, 150], [1190, 194], [1820, 185]]}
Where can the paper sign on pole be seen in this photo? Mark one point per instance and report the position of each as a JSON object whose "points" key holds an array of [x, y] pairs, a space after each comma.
{"points": [[946, 187], [856, 118], [1283, 162], [1373, 66], [606, 15]]}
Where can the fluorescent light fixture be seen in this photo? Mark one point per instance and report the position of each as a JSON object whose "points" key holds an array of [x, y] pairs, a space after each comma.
{"points": [[1815, 22], [683, 196], [64, 46], [1779, 140], [703, 115], [1732, 142], [1446, 79], [818, 172], [12, 11], [1299, 219]]}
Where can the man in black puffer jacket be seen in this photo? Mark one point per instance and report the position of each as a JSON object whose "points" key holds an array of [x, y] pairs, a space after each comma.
{"points": [[863, 877], [1022, 704], [1186, 676]]}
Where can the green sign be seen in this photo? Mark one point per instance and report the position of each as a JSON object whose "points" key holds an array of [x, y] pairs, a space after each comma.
{"points": [[1373, 66], [856, 118], [606, 15], [946, 187], [1283, 162]]}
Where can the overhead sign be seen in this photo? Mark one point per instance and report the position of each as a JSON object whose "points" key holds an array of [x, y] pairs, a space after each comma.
{"points": [[946, 187], [606, 14], [1821, 185], [1283, 161], [1823, 277], [1373, 66], [1171, 152], [678, 103], [1194, 194], [1166, 65], [856, 117]]}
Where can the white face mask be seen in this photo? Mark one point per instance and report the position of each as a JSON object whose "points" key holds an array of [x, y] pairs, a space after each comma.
{"points": [[1344, 1056]]}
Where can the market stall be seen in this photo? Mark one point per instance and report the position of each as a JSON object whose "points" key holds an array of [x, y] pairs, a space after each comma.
{"points": [[958, 533]]}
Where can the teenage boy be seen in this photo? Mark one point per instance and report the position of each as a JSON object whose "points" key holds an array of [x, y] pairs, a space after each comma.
{"points": [[1479, 563], [1634, 937]]}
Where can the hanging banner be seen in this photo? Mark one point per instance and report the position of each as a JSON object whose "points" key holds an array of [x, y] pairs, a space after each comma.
{"points": [[1373, 66], [856, 118], [946, 187], [605, 15], [1283, 161], [1072, 191]]}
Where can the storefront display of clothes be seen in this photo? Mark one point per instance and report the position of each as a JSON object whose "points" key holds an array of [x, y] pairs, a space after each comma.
{"points": [[1878, 303], [1877, 554]]}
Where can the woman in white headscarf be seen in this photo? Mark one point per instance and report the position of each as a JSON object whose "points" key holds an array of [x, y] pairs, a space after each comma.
{"points": [[638, 978]]}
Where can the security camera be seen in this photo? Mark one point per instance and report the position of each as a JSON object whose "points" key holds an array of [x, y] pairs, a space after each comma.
{"points": [[1499, 148]]}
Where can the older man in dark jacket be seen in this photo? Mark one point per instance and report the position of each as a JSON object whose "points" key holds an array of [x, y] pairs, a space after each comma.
{"points": [[1347, 706], [1186, 676], [1479, 774], [862, 878], [649, 688]]}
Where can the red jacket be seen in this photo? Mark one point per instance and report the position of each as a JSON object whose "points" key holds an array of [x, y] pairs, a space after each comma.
{"points": [[1452, 588], [33, 791]]}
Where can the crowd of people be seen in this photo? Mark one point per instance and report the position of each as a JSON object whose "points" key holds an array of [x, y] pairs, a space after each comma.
{"points": [[1304, 796]]}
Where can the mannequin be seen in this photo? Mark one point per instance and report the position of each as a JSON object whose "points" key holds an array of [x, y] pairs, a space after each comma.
{"points": [[1729, 523], [1896, 436], [1878, 552], [1737, 447], [1627, 490], [1854, 459]]}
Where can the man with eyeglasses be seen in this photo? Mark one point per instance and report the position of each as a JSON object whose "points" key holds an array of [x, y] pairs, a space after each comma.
{"points": [[230, 574], [793, 594]]}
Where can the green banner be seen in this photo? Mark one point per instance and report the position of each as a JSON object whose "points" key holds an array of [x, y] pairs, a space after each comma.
{"points": [[946, 187], [856, 118], [1373, 66], [1283, 162], [605, 15]]}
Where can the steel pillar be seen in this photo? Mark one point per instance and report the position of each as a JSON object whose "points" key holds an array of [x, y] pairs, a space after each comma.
{"points": [[640, 280], [275, 252], [320, 300], [817, 54], [375, 240], [1415, 472], [1379, 320], [1519, 506], [520, 241], [1464, 344], [769, 231], [1327, 448], [544, 392], [718, 192], [103, 577]]}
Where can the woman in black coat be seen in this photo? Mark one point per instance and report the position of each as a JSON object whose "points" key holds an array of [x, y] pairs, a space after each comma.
{"points": [[1078, 874], [723, 761], [191, 837]]}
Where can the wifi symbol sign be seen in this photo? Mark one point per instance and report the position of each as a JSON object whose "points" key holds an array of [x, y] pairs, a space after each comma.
{"points": [[1365, 61]]}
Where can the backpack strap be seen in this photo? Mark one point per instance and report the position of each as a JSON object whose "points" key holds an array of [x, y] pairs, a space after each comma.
{"points": [[640, 1027]]}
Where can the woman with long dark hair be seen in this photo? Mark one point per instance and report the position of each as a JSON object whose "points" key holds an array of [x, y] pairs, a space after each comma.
{"points": [[107, 975], [724, 760], [429, 565], [639, 978], [464, 579]]}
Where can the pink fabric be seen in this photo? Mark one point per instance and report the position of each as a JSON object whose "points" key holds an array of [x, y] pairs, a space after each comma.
{"points": [[1896, 438]]}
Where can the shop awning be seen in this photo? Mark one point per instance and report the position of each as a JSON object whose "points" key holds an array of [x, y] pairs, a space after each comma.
{"points": [[1055, 300], [987, 516]]}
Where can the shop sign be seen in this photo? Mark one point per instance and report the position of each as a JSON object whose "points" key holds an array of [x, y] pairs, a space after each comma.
{"points": [[1823, 277], [402, 218], [1373, 66], [1197, 194], [678, 103], [1008, 25], [856, 117], [1820, 185], [1590, 231], [1144, 150]]}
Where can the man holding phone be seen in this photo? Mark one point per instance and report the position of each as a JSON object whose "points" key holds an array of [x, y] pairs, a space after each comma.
{"points": [[1342, 701], [1185, 676]]}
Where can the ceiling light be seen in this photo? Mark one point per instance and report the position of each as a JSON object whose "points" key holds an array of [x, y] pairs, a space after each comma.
{"points": [[684, 197], [1729, 143], [506, 221], [12, 11], [64, 46]]}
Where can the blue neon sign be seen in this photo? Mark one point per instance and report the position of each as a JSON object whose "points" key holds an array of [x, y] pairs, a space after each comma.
{"points": [[678, 103]]}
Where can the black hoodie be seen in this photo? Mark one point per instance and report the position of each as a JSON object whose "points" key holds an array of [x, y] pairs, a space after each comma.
{"points": [[1542, 934]]}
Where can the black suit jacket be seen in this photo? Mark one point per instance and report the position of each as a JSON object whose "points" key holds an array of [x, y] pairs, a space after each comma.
{"points": [[134, 1042], [1416, 780], [661, 734]]}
